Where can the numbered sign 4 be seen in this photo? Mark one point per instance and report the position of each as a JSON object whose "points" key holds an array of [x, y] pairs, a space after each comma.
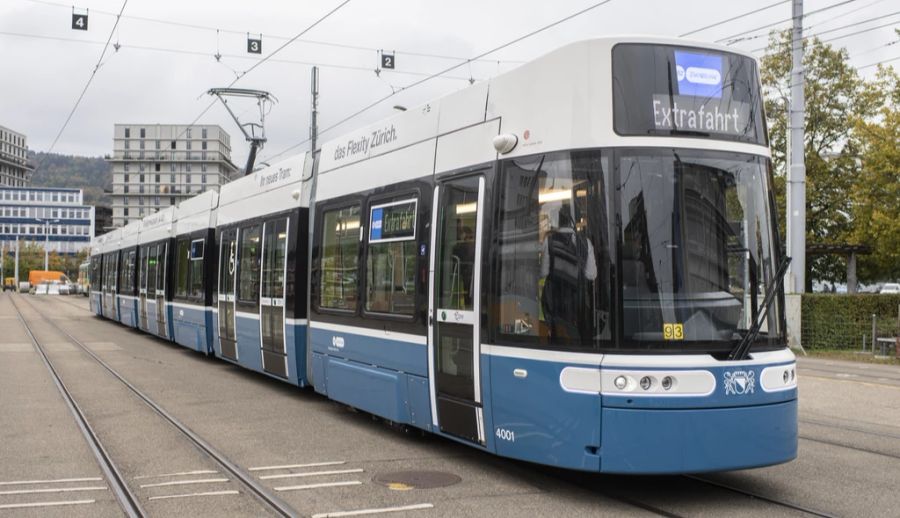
{"points": [[254, 46], [388, 61], [79, 22]]}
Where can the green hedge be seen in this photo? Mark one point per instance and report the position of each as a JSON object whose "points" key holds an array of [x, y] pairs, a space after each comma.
{"points": [[839, 321]]}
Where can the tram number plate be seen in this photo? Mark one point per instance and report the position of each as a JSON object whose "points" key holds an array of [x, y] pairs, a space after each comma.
{"points": [[673, 331], [506, 435]]}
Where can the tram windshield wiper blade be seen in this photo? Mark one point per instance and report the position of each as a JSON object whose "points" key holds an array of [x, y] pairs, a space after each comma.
{"points": [[741, 350]]}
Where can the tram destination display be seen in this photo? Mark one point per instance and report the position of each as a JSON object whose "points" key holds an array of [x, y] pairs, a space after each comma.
{"points": [[393, 221], [689, 92]]}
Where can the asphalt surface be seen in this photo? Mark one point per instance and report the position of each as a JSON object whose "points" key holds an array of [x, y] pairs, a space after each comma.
{"points": [[849, 463]]}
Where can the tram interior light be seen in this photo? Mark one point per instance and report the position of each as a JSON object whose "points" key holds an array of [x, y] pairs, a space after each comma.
{"points": [[466, 208], [554, 195]]}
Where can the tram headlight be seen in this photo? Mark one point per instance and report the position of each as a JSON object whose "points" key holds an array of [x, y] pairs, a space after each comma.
{"points": [[620, 382], [786, 377], [666, 383], [646, 382], [793, 374]]}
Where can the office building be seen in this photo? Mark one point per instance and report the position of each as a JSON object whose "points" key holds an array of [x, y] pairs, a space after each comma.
{"points": [[158, 165], [56, 219], [14, 169]]}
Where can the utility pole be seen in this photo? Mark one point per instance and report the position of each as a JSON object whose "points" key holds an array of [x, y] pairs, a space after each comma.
{"points": [[796, 185], [314, 126], [16, 275]]}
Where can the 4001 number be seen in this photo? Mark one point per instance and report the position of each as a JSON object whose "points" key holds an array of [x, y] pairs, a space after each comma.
{"points": [[506, 435]]}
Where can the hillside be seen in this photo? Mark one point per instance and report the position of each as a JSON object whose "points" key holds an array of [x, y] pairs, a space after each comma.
{"points": [[92, 174]]}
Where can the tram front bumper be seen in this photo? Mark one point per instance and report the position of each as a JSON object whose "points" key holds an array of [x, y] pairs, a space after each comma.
{"points": [[659, 441]]}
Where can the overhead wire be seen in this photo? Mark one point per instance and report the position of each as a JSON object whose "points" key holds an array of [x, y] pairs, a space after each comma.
{"points": [[733, 18], [195, 26], [731, 39], [442, 72], [88, 83], [817, 34], [150, 48]]}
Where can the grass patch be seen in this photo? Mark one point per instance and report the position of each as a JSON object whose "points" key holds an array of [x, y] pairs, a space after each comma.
{"points": [[855, 356]]}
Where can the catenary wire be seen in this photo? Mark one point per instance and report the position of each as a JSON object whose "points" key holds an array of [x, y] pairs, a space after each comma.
{"points": [[731, 39], [442, 72], [88, 84], [199, 27], [733, 18]]}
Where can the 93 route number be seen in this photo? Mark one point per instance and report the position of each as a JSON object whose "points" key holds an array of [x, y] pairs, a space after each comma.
{"points": [[506, 435]]}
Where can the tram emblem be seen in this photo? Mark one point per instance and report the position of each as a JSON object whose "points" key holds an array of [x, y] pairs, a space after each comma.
{"points": [[739, 382]]}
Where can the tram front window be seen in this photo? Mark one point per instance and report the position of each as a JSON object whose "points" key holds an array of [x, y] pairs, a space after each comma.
{"points": [[697, 248]]}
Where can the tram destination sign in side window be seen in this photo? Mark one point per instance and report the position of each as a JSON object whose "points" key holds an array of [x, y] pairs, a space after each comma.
{"points": [[662, 90], [394, 221]]}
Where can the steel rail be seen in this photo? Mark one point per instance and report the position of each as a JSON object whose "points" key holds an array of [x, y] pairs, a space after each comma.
{"points": [[758, 496], [126, 498], [258, 490]]}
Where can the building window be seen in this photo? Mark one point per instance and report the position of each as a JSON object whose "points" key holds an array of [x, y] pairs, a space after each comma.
{"points": [[126, 178], [127, 134], [157, 144], [156, 177], [203, 133], [188, 143], [172, 169], [339, 263], [126, 169], [127, 145], [143, 133], [142, 144], [173, 144], [203, 145]]}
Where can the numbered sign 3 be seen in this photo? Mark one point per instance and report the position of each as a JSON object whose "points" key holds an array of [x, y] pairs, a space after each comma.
{"points": [[388, 61], [254, 46], [79, 22]]}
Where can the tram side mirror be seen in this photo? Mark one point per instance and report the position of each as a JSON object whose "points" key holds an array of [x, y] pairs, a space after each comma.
{"points": [[505, 143]]}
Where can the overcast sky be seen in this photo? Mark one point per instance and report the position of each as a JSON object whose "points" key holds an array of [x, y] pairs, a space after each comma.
{"points": [[162, 70]]}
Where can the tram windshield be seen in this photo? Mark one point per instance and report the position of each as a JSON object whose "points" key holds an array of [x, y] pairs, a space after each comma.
{"points": [[697, 247], [658, 249]]}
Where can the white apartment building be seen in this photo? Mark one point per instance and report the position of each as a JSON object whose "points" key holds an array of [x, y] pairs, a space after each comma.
{"points": [[14, 170], [158, 165]]}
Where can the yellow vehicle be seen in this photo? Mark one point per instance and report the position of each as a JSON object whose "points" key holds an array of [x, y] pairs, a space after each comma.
{"points": [[9, 283]]}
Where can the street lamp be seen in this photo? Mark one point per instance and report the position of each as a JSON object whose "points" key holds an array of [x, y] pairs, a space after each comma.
{"points": [[46, 223]]}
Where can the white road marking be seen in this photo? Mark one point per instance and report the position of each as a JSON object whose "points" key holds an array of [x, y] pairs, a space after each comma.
{"points": [[195, 472], [186, 482], [374, 511], [46, 504], [315, 486], [312, 474], [54, 490], [59, 480], [293, 466], [209, 493]]}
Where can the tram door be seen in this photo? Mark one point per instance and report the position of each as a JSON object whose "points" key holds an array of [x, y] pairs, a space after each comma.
{"points": [[454, 326], [227, 269], [271, 300], [142, 286], [162, 250]]}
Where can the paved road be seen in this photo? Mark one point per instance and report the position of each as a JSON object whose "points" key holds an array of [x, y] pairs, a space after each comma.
{"points": [[849, 462]]}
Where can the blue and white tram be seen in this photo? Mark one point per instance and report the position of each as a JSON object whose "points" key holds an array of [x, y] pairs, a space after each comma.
{"points": [[262, 224], [194, 271], [126, 293], [153, 275], [575, 263]]}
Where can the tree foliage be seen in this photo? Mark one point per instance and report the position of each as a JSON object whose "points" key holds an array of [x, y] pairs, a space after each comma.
{"points": [[836, 95], [91, 174], [876, 193]]}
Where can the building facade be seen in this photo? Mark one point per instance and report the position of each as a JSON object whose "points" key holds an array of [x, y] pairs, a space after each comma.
{"points": [[14, 169], [56, 219], [158, 165]]}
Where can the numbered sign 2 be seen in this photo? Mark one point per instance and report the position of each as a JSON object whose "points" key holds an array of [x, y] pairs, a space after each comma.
{"points": [[79, 22], [388, 61], [254, 46]]}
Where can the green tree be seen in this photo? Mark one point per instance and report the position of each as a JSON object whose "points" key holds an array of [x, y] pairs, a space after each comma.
{"points": [[836, 95], [876, 193]]}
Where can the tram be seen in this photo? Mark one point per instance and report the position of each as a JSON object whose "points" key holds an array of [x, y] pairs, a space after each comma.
{"points": [[575, 263]]}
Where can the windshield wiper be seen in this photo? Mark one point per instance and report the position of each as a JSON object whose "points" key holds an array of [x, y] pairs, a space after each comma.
{"points": [[741, 350]]}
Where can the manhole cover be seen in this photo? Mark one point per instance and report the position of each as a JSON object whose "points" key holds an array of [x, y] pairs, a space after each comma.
{"points": [[406, 480]]}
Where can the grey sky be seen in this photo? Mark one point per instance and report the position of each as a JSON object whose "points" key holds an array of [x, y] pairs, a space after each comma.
{"points": [[42, 78]]}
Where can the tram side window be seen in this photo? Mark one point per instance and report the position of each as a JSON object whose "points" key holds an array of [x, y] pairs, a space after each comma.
{"points": [[248, 287], [339, 288], [126, 275], [196, 277], [553, 252], [391, 258], [182, 259], [96, 279]]}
